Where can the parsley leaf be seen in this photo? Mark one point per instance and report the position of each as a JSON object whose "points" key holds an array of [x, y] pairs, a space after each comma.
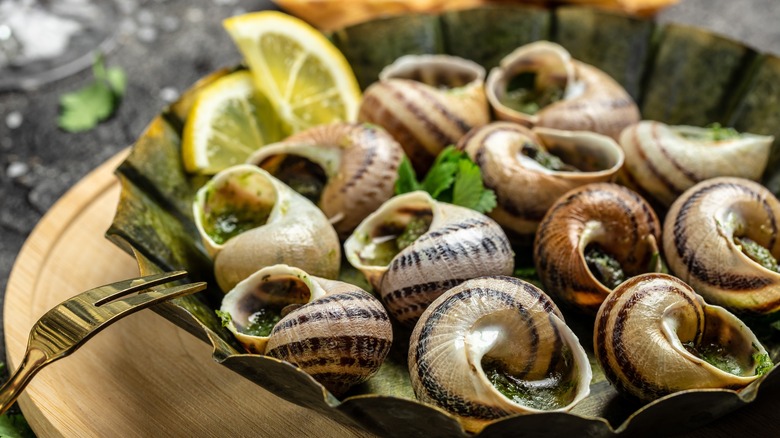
{"points": [[452, 178], [469, 191], [83, 109]]}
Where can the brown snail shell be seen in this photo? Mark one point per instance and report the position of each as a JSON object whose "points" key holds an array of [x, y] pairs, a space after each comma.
{"points": [[336, 332], [611, 217], [591, 99], [459, 244], [525, 190], [653, 334], [427, 102], [700, 246], [269, 223], [360, 164], [487, 321], [664, 160]]}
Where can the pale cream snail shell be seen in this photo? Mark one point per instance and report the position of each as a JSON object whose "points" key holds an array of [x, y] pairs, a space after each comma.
{"points": [[334, 331], [359, 165], [427, 102], [654, 336], [592, 239], [414, 248], [510, 157], [721, 237], [572, 95], [248, 219], [502, 330], [665, 160]]}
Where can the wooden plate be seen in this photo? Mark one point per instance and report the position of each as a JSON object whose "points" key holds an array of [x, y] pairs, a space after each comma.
{"points": [[142, 376]]}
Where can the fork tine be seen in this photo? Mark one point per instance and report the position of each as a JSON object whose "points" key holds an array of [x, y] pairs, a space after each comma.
{"points": [[149, 298], [109, 292]]}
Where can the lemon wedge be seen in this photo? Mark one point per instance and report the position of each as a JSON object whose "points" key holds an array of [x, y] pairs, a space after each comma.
{"points": [[306, 78], [228, 121]]}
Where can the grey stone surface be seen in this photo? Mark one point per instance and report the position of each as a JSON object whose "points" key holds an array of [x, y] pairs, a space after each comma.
{"points": [[164, 46]]}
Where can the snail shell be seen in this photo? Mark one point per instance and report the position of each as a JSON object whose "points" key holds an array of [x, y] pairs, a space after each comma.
{"points": [[496, 322], [458, 244], [608, 216], [525, 190], [427, 102], [667, 160], [360, 163], [591, 100], [701, 247], [653, 333], [248, 219], [336, 332]]}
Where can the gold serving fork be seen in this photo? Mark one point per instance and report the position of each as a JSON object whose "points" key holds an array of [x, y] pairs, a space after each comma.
{"points": [[70, 324]]}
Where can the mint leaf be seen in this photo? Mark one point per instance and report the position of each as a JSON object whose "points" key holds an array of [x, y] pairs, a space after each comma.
{"points": [[407, 179], [83, 109], [469, 191]]}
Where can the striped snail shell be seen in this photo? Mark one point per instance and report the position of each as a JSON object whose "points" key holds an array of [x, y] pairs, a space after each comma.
{"points": [[511, 156], [413, 248], [248, 219], [721, 237], [558, 92], [585, 233], [494, 333], [654, 336], [427, 102], [334, 331], [664, 160], [359, 162]]}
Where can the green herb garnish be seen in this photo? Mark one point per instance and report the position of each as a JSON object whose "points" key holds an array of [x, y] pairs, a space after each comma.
{"points": [[757, 253], [82, 110], [604, 267], [763, 363], [15, 426], [453, 178], [719, 133], [225, 317]]}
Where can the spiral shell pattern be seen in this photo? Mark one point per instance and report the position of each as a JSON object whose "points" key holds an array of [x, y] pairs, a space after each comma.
{"points": [[607, 215], [459, 244], [360, 162], [700, 245], [653, 331], [427, 102], [525, 190], [664, 160], [494, 320], [294, 231], [592, 100], [336, 332]]}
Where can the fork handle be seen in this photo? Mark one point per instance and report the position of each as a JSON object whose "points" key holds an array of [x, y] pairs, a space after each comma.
{"points": [[34, 359]]}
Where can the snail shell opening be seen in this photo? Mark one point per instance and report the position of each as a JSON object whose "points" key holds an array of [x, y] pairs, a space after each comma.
{"points": [[496, 346], [257, 303], [232, 202]]}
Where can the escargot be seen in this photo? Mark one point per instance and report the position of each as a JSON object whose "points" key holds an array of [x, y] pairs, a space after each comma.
{"points": [[334, 331], [721, 237], [247, 219], [654, 336], [539, 84], [496, 346], [413, 248], [530, 169], [664, 160], [592, 239], [427, 102], [347, 169]]}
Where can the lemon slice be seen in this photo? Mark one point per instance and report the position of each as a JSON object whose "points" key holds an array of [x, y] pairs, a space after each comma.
{"points": [[305, 77], [229, 120]]}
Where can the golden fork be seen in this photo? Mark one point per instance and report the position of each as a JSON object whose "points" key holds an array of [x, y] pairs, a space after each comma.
{"points": [[71, 323]]}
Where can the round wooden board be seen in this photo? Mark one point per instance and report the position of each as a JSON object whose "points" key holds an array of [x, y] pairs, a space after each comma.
{"points": [[142, 376]]}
